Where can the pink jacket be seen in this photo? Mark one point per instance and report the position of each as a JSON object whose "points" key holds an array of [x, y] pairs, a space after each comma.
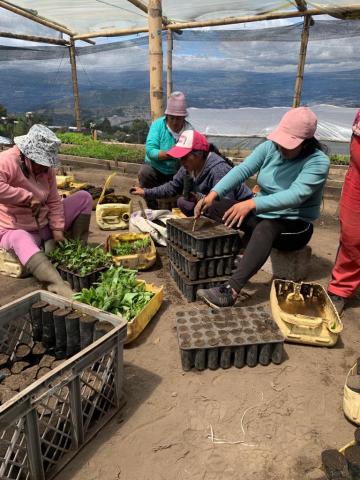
{"points": [[16, 192]]}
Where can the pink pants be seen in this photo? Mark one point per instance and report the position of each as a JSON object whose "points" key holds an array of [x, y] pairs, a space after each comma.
{"points": [[26, 244]]}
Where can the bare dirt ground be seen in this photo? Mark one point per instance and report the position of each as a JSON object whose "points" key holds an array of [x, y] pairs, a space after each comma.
{"points": [[275, 420]]}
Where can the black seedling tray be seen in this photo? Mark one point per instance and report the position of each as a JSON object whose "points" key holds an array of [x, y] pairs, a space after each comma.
{"points": [[231, 336], [189, 287], [210, 239], [77, 282], [200, 269]]}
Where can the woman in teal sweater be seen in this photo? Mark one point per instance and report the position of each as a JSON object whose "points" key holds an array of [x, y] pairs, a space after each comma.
{"points": [[164, 133], [291, 172]]}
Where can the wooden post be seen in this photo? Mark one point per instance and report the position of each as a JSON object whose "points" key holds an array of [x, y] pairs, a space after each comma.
{"points": [[169, 77], [75, 84], [155, 59], [301, 64]]}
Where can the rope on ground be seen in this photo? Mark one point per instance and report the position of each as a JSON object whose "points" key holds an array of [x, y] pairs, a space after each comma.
{"points": [[222, 441]]}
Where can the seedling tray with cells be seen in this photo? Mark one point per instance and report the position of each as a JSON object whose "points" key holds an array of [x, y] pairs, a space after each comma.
{"points": [[233, 336], [199, 269], [62, 406], [80, 265], [209, 238], [189, 287]]}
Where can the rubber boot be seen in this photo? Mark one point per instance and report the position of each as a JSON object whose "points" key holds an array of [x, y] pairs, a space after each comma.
{"points": [[80, 227], [43, 270]]}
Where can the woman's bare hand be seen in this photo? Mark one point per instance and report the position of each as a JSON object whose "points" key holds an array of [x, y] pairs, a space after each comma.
{"points": [[204, 204], [137, 191], [235, 215]]}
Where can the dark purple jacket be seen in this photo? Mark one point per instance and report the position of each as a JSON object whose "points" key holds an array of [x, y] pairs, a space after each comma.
{"points": [[215, 169]]}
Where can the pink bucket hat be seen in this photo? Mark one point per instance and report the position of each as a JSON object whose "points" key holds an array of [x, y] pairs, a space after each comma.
{"points": [[176, 105], [295, 126], [189, 140]]}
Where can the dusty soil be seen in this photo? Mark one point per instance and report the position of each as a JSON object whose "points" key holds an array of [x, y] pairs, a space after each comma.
{"points": [[274, 420]]}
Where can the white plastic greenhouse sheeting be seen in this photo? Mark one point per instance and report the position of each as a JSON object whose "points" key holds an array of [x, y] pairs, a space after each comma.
{"points": [[334, 123], [84, 16]]}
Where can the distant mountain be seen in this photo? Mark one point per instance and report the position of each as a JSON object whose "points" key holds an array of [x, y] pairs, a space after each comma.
{"points": [[127, 93]]}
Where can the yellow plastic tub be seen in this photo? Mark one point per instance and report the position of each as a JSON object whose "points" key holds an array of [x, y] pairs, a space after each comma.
{"points": [[351, 400], [10, 265], [137, 324], [297, 321], [138, 261], [63, 181], [113, 211]]}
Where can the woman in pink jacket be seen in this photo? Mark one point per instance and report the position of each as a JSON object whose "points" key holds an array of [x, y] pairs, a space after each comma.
{"points": [[31, 210]]}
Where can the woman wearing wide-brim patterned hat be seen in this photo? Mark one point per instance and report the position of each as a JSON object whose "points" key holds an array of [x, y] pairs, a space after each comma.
{"points": [[31, 210]]}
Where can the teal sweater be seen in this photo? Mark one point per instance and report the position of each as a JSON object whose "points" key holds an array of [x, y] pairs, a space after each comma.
{"points": [[290, 189], [160, 138]]}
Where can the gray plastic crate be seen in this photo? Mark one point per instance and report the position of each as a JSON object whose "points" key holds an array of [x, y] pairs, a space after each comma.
{"points": [[45, 425], [199, 269], [210, 239], [189, 287], [231, 336]]}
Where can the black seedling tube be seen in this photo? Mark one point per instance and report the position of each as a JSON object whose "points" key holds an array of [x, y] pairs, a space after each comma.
{"points": [[239, 357], [213, 358], [36, 319], [277, 354], [202, 270], [225, 357], [265, 354], [60, 332], [220, 267], [87, 324], [101, 329], [211, 268], [227, 245], [187, 360], [72, 333], [210, 248], [352, 455], [218, 247], [335, 466], [251, 355], [48, 334], [200, 359]]}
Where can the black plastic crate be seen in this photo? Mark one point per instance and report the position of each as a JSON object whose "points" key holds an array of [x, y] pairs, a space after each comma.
{"points": [[200, 269], [189, 287], [78, 282], [231, 336], [210, 239]]}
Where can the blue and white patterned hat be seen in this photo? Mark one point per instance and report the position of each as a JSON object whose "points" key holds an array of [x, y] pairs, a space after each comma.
{"points": [[40, 145]]}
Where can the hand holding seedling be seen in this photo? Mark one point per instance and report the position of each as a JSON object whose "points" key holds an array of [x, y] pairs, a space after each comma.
{"points": [[236, 214], [137, 191], [58, 236]]}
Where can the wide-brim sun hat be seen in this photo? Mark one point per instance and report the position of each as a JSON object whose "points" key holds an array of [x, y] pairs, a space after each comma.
{"points": [[176, 105], [297, 125], [40, 145], [189, 140]]}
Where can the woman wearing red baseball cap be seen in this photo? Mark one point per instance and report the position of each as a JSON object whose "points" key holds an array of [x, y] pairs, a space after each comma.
{"points": [[202, 166], [291, 170]]}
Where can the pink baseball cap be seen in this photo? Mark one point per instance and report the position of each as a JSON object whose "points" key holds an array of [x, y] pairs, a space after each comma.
{"points": [[189, 140], [296, 125]]}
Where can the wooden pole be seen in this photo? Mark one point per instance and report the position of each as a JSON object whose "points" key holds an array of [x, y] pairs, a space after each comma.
{"points": [[72, 53], [33, 38], [110, 33], [169, 70], [301, 64], [351, 8], [36, 18], [155, 59]]}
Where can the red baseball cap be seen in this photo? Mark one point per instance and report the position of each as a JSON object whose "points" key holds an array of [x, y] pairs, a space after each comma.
{"points": [[296, 125], [189, 140]]}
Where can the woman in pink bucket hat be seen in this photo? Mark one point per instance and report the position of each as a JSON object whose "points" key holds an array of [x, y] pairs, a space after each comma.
{"points": [[159, 166], [291, 169]]}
